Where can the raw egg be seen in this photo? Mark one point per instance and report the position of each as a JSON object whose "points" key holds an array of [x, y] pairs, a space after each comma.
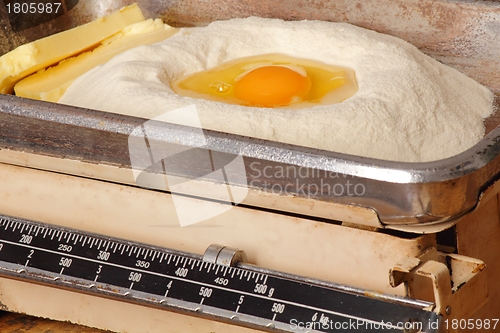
{"points": [[271, 80]]}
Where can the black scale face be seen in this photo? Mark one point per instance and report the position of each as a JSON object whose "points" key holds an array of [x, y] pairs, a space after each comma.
{"points": [[242, 294]]}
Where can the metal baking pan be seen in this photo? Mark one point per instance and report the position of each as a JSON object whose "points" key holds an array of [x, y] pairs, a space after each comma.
{"points": [[462, 34]]}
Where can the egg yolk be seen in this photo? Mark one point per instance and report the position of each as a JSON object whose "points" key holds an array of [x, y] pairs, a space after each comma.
{"points": [[272, 81], [270, 86]]}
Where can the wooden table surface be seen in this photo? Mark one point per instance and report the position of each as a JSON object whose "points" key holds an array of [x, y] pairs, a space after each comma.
{"points": [[19, 323]]}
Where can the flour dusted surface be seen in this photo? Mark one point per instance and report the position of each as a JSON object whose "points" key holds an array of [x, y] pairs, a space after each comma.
{"points": [[409, 107]]}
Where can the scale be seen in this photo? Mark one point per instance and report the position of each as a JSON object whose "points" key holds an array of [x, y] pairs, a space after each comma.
{"points": [[356, 267], [83, 241], [218, 285]]}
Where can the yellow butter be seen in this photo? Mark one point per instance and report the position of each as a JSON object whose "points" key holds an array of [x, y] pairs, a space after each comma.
{"points": [[29, 58], [51, 83]]}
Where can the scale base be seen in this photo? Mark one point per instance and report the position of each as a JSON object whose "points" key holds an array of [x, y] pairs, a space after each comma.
{"points": [[63, 305]]}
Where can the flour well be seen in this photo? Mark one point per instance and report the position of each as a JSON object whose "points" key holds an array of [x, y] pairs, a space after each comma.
{"points": [[409, 107]]}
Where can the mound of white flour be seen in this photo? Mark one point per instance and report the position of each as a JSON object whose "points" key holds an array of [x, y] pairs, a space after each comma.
{"points": [[409, 107]]}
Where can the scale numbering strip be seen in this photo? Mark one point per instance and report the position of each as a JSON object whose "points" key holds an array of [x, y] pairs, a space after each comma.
{"points": [[242, 294]]}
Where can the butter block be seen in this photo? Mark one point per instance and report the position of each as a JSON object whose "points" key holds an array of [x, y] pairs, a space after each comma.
{"points": [[51, 83], [29, 58]]}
